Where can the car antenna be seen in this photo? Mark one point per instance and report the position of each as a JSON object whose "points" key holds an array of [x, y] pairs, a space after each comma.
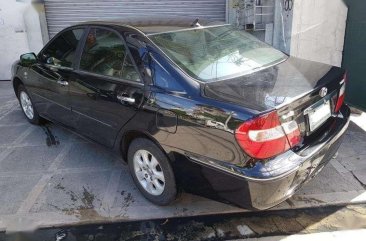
{"points": [[196, 23]]}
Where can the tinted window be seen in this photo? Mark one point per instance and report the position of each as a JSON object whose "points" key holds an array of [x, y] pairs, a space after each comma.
{"points": [[61, 51], [104, 53], [217, 53]]}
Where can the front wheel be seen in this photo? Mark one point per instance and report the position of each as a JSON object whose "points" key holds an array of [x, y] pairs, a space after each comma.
{"points": [[27, 106], [151, 171]]}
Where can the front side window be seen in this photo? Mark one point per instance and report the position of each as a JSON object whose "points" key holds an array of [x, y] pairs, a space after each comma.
{"points": [[104, 53], [61, 50], [216, 53]]}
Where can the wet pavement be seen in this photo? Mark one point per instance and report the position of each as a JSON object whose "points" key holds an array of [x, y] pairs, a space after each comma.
{"points": [[50, 176]]}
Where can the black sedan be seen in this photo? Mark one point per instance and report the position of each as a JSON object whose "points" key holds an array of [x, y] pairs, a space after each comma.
{"points": [[194, 105]]}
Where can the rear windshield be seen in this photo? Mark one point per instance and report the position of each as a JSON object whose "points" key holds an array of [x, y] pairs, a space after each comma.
{"points": [[216, 53]]}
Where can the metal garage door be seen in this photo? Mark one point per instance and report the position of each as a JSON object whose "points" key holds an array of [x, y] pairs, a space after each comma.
{"points": [[63, 13]]}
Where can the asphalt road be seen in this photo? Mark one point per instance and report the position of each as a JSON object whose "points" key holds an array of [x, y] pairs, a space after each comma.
{"points": [[50, 176]]}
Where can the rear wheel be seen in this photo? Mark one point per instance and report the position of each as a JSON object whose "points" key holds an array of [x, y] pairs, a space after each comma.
{"points": [[151, 171], [27, 106]]}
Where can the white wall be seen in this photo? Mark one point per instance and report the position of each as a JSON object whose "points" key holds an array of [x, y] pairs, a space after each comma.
{"points": [[282, 27], [20, 32], [32, 18], [13, 36], [318, 30]]}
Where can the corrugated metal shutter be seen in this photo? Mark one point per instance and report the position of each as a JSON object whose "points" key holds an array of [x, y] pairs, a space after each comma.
{"points": [[63, 13]]}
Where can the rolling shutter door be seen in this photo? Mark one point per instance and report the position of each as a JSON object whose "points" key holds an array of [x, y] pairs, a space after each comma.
{"points": [[63, 13]]}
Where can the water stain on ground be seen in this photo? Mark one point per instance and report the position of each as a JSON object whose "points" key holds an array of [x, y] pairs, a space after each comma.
{"points": [[85, 210], [51, 139], [127, 201]]}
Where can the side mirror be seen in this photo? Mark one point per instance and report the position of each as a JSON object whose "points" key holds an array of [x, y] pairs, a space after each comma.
{"points": [[28, 59]]}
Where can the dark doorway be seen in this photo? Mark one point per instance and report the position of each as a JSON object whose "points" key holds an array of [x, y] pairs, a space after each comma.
{"points": [[354, 58]]}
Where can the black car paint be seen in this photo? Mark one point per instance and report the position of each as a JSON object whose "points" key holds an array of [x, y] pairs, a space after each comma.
{"points": [[276, 85], [194, 123]]}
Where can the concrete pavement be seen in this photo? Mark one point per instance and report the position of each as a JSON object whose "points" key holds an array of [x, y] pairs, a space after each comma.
{"points": [[354, 235]]}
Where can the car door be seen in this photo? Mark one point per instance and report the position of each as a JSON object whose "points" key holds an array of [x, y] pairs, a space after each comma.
{"points": [[51, 76], [107, 91]]}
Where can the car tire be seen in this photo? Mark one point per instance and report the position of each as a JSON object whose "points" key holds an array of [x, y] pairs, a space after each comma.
{"points": [[27, 106], [151, 171]]}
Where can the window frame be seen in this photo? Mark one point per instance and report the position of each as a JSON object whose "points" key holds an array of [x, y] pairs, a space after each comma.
{"points": [[73, 64], [81, 49]]}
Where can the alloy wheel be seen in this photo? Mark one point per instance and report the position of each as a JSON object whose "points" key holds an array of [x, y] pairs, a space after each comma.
{"points": [[26, 104], [149, 172]]}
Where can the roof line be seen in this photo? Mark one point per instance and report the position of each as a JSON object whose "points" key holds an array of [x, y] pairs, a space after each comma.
{"points": [[191, 28]]}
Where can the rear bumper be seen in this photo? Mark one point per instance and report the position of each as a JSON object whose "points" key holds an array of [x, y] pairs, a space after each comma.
{"points": [[269, 183]]}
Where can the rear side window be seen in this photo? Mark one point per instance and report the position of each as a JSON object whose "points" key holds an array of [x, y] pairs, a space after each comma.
{"points": [[104, 53], [61, 51]]}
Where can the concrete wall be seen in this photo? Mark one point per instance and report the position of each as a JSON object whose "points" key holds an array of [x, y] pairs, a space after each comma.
{"points": [[20, 32], [318, 30], [36, 26], [13, 36]]}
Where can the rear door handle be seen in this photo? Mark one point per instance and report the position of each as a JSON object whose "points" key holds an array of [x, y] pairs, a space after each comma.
{"points": [[126, 99], [62, 82]]}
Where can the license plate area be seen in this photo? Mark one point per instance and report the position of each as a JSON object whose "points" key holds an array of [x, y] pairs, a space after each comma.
{"points": [[318, 113]]}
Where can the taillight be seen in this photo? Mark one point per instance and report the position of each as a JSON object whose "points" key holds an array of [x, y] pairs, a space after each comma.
{"points": [[264, 136], [341, 95]]}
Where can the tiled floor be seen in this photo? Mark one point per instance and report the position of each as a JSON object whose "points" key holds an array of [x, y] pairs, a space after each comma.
{"points": [[75, 181]]}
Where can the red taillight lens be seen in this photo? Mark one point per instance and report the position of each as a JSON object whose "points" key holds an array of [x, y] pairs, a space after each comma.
{"points": [[341, 95], [265, 137]]}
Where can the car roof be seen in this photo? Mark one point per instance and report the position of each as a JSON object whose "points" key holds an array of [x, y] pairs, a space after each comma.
{"points": [[152, 25]]}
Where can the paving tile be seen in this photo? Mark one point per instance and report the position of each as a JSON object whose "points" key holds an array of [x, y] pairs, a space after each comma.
{"points": [[37, 158], [127, 193], [353, 127], [361, 175], [88, 155], [354, 235], [353, 163], [358, 122], [69, 192], [14, 190], [8, 105], [338, 166], [51, 135], [14, 117], [329, 180], [10, 134], [353, 144], [6, 89]]}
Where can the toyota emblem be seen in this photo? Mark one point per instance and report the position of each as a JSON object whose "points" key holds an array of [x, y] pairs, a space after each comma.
{"points": [[323, 92]]}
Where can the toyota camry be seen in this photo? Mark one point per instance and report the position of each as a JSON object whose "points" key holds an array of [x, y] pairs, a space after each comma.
{"points": [[190, 105]]}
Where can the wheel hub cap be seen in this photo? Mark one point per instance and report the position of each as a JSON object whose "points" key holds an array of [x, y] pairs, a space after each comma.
{"points": [[26, 104], [149, 172]]}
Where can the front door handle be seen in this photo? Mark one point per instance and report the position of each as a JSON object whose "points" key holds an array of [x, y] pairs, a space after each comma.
{"points": [[126, 99], [62, 82]]}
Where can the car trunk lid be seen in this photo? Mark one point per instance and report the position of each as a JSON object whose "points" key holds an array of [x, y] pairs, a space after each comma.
{"points": [[293, 88]]}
